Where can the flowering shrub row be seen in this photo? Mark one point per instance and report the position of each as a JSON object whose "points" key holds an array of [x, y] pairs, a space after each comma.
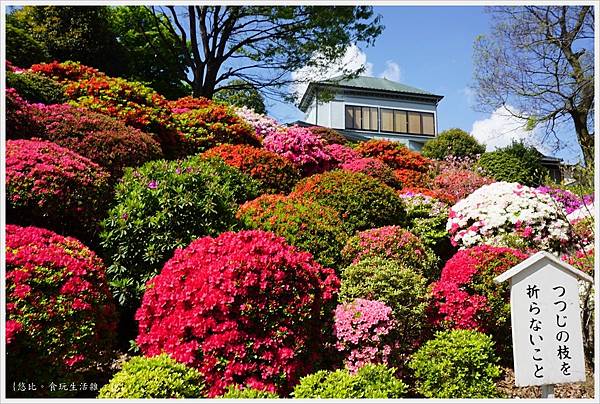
{"points": [[65, 72], [241, 308], [20, 120]]}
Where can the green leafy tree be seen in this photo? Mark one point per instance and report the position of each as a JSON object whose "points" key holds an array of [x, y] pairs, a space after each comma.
{"points": [[241, 94], [452, 142], [21, 49], [538, 63], [514, 163], [260, 44]]}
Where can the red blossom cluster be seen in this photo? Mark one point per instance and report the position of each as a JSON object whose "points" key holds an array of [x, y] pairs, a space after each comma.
{"points": [[466, 297], [50, 186], [394, 154], [188, 103], [61, 318], [438, 194], [66, 71], [276, 174], [458, 183], [243, 308], [373, 167]]}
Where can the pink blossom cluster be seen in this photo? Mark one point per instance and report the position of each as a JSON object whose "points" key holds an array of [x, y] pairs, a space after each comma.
{"points": [[263, 125], [363, 330], [305, 149], [342, 154]]}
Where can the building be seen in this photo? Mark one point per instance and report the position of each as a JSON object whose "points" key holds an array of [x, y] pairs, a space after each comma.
{"points": [[364, 108]]}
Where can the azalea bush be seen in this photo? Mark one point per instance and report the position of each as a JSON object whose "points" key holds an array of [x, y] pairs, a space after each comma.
{"points": [[362, 201], [341, 154], [394, 154], [103, 139], [275, 173], [263, 125], [65, 72], [36, 87], [458, 183], [374, 168], [52, 187], [60, 311], [306, 150], [566, 199], [213, 125], [494, 213], [328, 136], [155, 377], [370, 381], [466, 296], [365, 333], [164, 205], [188, 103], [306, 225], [457, 364], [395, 243], [241, 308], [398, 286], [21, 120]]}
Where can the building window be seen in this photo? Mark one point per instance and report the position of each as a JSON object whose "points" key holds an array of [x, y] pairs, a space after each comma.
{"points": [[362, 118], [414, 123]]}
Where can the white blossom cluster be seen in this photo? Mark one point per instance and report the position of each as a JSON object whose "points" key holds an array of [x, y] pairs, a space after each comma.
{"points": [[583, 212], [503, 209]]}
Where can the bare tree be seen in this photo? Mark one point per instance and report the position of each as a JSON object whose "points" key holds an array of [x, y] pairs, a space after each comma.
{"points": [[538, 63]]}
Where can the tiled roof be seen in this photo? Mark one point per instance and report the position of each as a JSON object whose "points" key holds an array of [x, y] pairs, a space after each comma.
{"points": [[375, 83]]}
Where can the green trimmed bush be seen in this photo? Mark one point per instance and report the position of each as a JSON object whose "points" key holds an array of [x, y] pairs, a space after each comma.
{"points": [[456, 364], [362, 201], [247, 392], [164, 205], [401, 288], [21, 49], [514, 163], [304, 224], [36, 88], [156, 377], [370, 381], [452, 142]]}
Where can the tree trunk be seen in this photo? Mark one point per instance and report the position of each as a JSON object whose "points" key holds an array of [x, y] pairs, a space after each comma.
{"points": [[585, 138]]}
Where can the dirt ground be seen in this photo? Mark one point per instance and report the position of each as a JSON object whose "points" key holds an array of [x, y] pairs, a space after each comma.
{"points": [[574, 390]]}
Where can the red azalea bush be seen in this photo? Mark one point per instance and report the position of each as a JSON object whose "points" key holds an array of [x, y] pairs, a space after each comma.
{"points": [[52, 187], [188, 103], [60, 315], [66, 71], [328, 135], [275, 173], [306, 225], [466, 296], [21, 120], [394, 243], [306, 150], [410, 178], [341, 154], [362, 201], [213, 125], [394, 154], [373, 167], [458, 183], [243, 308], [103, 139], [133, 103]]}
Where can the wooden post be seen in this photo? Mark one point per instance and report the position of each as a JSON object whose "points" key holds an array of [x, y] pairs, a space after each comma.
{"points": [[547, 391]]}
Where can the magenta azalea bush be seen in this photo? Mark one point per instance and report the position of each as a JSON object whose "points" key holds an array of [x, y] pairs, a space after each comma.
{"points": [[569, 201], [302, 147], [363, 329], [342, 154], [20, 117]]}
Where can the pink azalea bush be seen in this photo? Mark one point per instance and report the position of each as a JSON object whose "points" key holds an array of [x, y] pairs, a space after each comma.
{"points": [[342, 154], [373, 167], [305, 149], [363, 329]]}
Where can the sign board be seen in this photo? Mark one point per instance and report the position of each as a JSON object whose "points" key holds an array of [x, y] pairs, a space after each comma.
{"points": [[546, 321]]}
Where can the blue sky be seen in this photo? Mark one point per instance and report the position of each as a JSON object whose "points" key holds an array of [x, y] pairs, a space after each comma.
{"points": [[433, 48]]}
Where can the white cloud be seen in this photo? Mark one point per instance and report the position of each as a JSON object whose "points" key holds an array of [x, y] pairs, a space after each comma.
{"points": [[469, 95], [501, 128], [392, 71], [354, 59]]}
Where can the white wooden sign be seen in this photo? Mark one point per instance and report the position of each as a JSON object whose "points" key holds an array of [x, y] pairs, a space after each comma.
{"points": [[546, 321]]}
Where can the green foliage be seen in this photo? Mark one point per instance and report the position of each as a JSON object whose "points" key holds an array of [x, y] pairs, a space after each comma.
{"points": [[452, 142], [240, 93], [21, 49], [390, 282], [156, 377], [514, 163], [36, 88], [164, 205], [249, 393], [370, 381], [456, 364]]}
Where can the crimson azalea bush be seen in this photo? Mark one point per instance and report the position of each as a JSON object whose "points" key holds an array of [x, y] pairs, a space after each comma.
{"points": [[362, 201], [400, 287], [52, 187], [306, 225], [60, 311], [365, 332], [328, 136], [243, 308], [373, 167], [306, 150], [394, 154], [188, 103], [395, 243], [458, 183], [466, 296], [101, 138], [133, 103], [163, 205], [341, 154], [275, 173], [213, 125], [21, 121], [66, 71]]}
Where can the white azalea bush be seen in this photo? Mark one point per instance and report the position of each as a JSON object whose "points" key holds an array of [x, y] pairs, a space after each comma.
{"points": [[263, 125], [505, 213]]}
